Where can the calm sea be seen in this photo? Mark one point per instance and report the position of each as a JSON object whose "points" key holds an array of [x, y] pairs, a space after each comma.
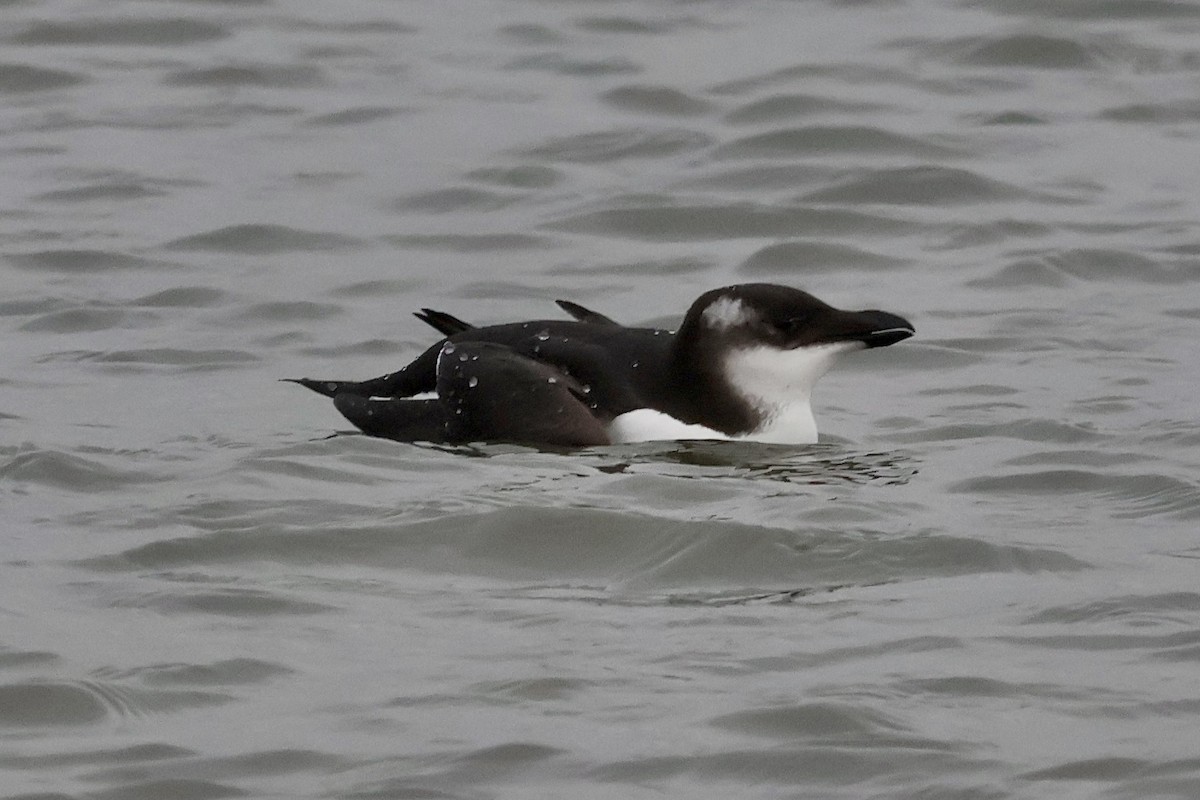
{"points": [[982, 584]]}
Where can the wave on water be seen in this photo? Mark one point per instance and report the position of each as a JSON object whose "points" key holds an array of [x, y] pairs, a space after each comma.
{"points": [[263, 239], [692, 522]]}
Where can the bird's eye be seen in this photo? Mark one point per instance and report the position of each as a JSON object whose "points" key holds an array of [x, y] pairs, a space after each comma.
{"points": [[791, 325]]}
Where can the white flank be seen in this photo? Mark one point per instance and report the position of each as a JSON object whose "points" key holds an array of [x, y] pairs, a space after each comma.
{"points": [[725, 313], [779, 383], [648, 425]]}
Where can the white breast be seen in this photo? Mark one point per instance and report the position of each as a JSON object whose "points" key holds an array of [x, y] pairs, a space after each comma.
{"points": [[779, 384]]}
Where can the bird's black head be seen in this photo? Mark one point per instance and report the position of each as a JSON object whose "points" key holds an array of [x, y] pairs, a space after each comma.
{"points": [[780, 317]]}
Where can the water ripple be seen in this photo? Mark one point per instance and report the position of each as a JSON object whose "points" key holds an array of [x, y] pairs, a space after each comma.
{"points": [[117, 191], [615, 145], [924, 185], [355, 116], [1092, 9], [184, 297], [663, 100], [667, 223], [288, 311], [560, 64], [85, 320], [798, 257], [1038, 51], [172, 357], [812, 720], [43, 703], [227, 672], [262, 239], [286, 76], [133, 754], [442, 201], [235, 603], [829, 766], [129, 31], [780, 107], [68, 471], [826, 139], [84, 261], [1130, 610], [629, 552], [471, 242], [1140, 495], [21, 78], [1024, 429]]}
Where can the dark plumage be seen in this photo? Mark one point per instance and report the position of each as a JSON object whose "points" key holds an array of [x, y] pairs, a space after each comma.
{"points": [[561, 382]]}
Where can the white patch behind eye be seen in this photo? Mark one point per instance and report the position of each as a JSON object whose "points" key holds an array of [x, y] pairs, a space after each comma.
{"points": [[727, 312]]}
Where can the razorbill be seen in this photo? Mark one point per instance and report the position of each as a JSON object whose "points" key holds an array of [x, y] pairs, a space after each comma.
{"points": [[742, 365]]}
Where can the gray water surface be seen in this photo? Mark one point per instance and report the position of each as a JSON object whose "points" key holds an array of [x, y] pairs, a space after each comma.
{"points": [[981, 584]]}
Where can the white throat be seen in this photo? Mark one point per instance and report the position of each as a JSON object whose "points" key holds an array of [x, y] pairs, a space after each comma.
{"points": [[779, 384]]}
